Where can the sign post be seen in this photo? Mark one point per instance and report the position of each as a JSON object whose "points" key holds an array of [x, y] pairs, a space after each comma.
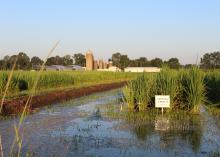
{"points": [[162, 101]]}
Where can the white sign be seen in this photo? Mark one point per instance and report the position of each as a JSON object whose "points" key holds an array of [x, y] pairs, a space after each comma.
{"points": [[162, 101]]}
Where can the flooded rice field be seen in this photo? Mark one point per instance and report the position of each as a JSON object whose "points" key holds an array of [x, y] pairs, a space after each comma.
{"points": [[81, 128]]}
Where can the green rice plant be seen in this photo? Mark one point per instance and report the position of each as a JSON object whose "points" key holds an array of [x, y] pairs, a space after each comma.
{"points": [[212, 85], [193, 93], [129, 94], [3, 81], [185, 87], [138, 93], [167, 84], [7, 85], [23, 81], [145, 90]]}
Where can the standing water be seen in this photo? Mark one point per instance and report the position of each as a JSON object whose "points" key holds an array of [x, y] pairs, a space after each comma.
{"points": [[80, 128]]}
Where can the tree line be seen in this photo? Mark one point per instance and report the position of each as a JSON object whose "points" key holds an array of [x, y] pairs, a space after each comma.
{"points": [[24, 62], [208, 61], [122, 61]]}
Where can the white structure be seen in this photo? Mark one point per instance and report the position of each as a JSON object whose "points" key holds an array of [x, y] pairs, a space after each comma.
{"points": [[142, 69], [63, 68], [112, 69]]}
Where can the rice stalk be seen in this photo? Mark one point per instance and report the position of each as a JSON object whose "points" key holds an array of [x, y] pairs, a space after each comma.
{"points": [[167, 84], [7, 84], [24, 112], [1, 148], [193, 88]]}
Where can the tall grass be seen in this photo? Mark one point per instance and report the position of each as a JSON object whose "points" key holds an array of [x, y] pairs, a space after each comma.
{"points": [[185, 87], [167, 84], [212, 83], [129, 94], [8, 80], [145, 91], [138, 92], [24, 80], [193, 88]]}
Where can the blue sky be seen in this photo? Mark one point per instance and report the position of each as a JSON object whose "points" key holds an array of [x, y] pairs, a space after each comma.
{"points": [[150, 28]]}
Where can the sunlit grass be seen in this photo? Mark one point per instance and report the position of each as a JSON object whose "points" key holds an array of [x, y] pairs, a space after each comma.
{"points": [[22, 81], [193, 95], [186, 89], [18, 139]]}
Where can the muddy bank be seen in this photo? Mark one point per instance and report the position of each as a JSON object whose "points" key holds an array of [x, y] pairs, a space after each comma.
{"points": [[16, 106]]}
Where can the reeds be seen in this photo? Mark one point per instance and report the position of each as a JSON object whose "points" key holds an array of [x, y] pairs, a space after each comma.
{"points": [[138, 92], [185, 87], [167, 84], [192, 82], [193, 88], [212, 85]]}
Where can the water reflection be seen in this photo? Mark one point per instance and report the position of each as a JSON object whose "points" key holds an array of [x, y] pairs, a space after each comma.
{"points": [[80, 128], [162, 123], [172, 130]]}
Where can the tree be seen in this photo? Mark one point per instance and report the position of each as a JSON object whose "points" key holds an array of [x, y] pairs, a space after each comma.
{"points": [[124, 62], [67, 60], [119, 60], [50, 61], [2, 64], [133, 63], [9, 61], [156, 62], [36, 61], [79, 59], [188, 66], [23, 61], [173, 63], [210, 60], [116, 59], [57, 60], [142, 62]]}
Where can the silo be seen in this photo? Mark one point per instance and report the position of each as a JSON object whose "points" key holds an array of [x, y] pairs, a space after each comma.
{"points": [[101, 64], [95, 65], [89, 60]]}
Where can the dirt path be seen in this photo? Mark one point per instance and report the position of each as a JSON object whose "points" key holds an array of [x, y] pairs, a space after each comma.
{"points": [[15, 106]]}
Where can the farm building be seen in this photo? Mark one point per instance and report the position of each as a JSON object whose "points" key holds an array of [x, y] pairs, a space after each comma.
{"points": [[89, 60], [142, 69], [57, 68], [76, 67], [63, 68], [112, 69]]}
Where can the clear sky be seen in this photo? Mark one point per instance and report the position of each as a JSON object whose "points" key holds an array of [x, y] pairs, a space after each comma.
{"points": [[150, 28]]}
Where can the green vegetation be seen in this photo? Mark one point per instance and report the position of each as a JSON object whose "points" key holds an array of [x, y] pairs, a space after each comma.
{"points": [[212, 82], [122, 61], [23, 81], [24, 62], [187, 88], [139, 92], [210, 61], [167, 83], [193, 93]]}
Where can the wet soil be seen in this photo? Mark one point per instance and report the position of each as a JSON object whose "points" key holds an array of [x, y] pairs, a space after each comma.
{"points": [[16, 106]]}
